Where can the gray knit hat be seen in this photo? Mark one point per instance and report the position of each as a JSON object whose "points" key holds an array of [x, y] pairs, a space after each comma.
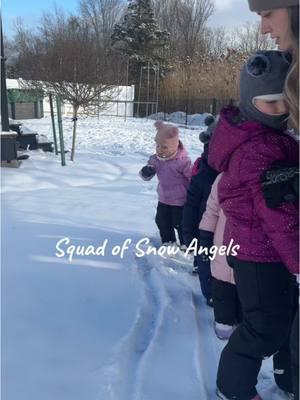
{"points": [[261, 5]]}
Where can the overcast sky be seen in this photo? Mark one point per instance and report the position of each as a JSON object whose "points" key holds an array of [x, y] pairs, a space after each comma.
{"points": [[229, 13]]}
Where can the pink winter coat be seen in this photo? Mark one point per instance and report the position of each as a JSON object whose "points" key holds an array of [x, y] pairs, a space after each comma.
{"points": [[244, 151], [174, 177], [213, 220]]}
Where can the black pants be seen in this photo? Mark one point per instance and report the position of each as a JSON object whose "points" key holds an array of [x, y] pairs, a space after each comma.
{"points": [[227, 308], [294, 346], [205, 278], [167, 219], [266, 293], [287, 359]]}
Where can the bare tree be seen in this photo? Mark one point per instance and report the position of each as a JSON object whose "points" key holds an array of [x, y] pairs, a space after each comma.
{"points": [[11, 56], [215, 42], [165, 13], [192, 16], [249, 38], [186, 21], [22, 35], [62, 59], [102, 15]]}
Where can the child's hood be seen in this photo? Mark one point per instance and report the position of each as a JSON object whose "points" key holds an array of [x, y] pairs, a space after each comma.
{"points": [[181, 152]]}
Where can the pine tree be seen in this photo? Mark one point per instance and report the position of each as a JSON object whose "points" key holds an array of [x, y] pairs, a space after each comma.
{"points": [[138, 35]]}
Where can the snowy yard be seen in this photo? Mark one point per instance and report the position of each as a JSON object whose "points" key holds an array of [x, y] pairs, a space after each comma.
{"points": [[100, 327]]}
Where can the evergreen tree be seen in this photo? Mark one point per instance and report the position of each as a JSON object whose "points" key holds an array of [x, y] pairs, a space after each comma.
{"points": [[138, 35]]}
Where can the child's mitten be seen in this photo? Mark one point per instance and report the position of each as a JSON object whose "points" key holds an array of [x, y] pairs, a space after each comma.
{"points": [[147, 172]]}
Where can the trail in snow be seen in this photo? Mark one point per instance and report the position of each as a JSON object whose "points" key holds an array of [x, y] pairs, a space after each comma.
{"points": [[207, 349], [168, 315], [149, 325], [122, 377], [172, 311]]}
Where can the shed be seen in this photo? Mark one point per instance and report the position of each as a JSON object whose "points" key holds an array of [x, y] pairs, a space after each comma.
{"points": [[23, 103]]}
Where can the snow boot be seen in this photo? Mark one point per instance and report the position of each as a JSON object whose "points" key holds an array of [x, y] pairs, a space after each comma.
{"points": [[183, 248], [221, 396], [171, 247], [223, 331], [210, 302], [195, 269], [289, 396]]}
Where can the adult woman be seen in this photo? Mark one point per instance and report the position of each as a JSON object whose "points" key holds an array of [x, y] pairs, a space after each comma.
{"points": [[253, 338], [254, 135], [280, 19]]}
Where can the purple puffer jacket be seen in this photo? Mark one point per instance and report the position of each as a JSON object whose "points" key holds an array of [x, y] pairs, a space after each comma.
{"points": [[243, 151], [174, 177]]}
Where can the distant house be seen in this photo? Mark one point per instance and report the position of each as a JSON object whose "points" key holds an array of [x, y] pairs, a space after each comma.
{"points": [[22, 103], [28, 104]]}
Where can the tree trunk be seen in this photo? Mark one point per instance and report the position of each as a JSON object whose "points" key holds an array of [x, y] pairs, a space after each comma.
{"points": [[4, 105], [53, 123]]}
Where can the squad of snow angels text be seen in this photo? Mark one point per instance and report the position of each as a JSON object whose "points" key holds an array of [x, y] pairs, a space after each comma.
{"points": [[142, 248]]}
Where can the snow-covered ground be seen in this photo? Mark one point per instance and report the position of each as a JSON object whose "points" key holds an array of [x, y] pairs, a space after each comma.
{"points": [[100, 327]]}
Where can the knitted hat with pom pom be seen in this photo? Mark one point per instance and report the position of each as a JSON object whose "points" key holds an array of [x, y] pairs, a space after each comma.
{"points": [[167, 135]]}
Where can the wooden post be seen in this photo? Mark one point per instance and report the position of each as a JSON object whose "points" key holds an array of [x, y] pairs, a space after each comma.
{"points": [[186, 113], [157, 87], [148, 90], [139, 95], [4, 104], [127, 82], [53, 123], [214, 107], [75, 109], [13, 110]]}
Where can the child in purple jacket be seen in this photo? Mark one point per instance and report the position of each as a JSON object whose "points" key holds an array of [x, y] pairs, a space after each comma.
{"points": [[173, 168], [246, 142]]}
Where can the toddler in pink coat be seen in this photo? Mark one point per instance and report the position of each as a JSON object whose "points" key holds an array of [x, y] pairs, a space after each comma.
{"points": [[173, 168], [226, 304]]}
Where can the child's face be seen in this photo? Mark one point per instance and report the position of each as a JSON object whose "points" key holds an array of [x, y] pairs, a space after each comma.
{"points": [[275, 107], [163, 150]]}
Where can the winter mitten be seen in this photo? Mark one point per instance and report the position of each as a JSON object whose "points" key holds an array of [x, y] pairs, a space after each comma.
{"points": [[147, 172], [210, 122], [280, 185], [205, 242]]}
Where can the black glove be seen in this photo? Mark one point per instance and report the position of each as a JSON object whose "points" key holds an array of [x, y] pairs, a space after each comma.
{"points": [[210, 122], [280, 184], [205, 241], [147, 172]]}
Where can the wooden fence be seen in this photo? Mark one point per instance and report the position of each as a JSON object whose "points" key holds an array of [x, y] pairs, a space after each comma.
{"points": [[195, 106]]}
